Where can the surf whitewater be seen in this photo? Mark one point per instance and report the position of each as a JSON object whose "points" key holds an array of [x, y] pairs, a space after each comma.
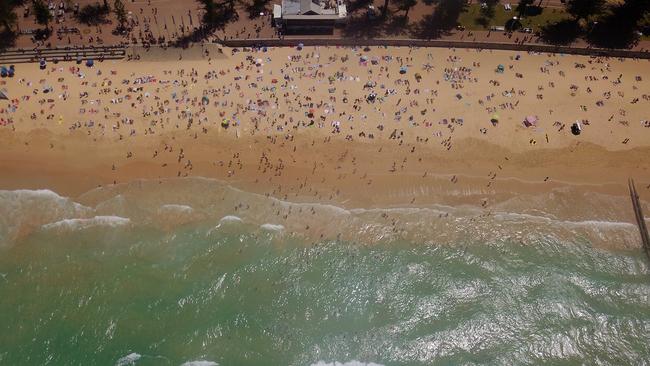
{"points": [[137, 274], [565, 214]]}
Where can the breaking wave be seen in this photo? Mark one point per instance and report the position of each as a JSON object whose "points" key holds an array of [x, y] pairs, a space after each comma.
{"points": [[129, 359], [567, 214], [79, 224]]}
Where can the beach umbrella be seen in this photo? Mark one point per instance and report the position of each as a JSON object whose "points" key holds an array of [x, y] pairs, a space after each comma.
{"points": [[418, 77], [494, 119], [366, 49], [3, 72], [3, 95], [363, 58], [225, 123], [274, 81], [402, 70], [12, 71], [300, 46], [42, 64], [90, 62], [205, 100], [500, 68], [79, 60]]}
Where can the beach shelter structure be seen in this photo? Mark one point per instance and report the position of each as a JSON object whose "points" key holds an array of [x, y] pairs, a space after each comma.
{"points": [[3, 95], [530, 121]]}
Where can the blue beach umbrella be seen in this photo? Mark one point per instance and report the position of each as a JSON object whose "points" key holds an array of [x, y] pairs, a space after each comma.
{"points": [[403, 69], [90, 62], [42, 64], [3, 72]]}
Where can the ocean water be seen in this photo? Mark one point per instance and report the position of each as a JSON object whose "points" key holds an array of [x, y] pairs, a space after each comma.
{"points": [[139, 275]]}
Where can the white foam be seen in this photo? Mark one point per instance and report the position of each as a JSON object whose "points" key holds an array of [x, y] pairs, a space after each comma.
{"points": [[77, 224], [586, 223], [272, 227], [129, 359], [200, 363], [348, 363], [230, 218], [177, 208]]}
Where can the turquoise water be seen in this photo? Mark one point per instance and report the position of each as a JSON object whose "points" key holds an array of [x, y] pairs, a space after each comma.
{"points": [[92, 293], [94, 297]]}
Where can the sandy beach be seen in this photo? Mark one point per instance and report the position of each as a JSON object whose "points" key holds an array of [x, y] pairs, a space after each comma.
{"points": [[351, 127]]}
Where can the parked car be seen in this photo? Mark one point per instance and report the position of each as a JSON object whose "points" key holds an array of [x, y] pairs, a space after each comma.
{"points": [[507, 7], [498, 28], [527, 30]]}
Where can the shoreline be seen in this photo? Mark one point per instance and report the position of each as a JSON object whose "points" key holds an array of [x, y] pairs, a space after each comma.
{"points": [[418, 144]]}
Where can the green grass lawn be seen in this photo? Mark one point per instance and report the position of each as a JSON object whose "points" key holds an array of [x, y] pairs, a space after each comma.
{"points": [[471, 17]]}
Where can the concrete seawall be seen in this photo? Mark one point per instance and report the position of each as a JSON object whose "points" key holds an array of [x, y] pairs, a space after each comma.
{"points": [[274, 42]]}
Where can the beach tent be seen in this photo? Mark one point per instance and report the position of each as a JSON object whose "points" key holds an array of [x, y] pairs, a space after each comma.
{"points": [[3, 95], [530, 121]]}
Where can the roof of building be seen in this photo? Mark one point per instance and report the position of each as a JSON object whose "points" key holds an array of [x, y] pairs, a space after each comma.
{"points": [[308, 7]]}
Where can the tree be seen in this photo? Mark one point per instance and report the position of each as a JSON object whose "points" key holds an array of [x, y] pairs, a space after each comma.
{"points": [[583, 9], [406, 5], [7, 16], [93, 14], [523, 6], [120, 13], [41, 13], [384, 10], [210, 11]]}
